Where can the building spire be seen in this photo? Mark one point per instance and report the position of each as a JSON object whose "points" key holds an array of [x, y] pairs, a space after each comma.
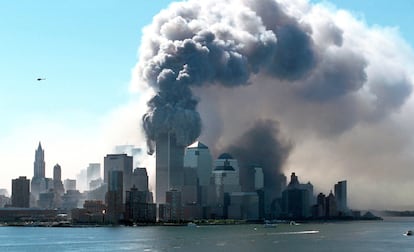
{"points": [[40, 146]]}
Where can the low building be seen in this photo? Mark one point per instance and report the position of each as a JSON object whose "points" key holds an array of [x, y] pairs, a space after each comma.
{"points": [[16, 214]]}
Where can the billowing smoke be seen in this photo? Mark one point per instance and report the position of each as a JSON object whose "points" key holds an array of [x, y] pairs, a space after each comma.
{"points": [[322, 74], [196, 44], [261, 146]]}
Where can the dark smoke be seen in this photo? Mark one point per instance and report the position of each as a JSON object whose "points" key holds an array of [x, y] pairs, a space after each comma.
{"points": [[191, 53], [263, 146]]}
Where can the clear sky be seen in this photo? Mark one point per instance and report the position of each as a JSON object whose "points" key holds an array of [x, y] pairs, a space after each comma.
{"points": [[86, 50]]}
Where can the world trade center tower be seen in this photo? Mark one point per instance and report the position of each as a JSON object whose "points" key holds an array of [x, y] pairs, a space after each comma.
{"points": [[169, 162]]}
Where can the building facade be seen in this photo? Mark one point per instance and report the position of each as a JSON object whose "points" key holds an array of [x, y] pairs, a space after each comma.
{"points": [[169, 165], [21, 192]]}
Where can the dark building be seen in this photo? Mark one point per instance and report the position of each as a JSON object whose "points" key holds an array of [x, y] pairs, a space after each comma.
{"points": [[297, 199], [72, 199], [93, 212], [114, 196], [57, 180], [137, 207], [122, 163], [341, 196], [21, 192], [331, 207], [140, 179]]}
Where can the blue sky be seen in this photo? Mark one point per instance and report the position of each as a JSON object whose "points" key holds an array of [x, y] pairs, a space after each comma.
{"points": [[86, 50]]}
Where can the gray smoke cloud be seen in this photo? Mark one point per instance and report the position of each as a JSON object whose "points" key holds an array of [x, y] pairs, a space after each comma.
{"points": [[321, 73], [198, 44], [264, 146]]}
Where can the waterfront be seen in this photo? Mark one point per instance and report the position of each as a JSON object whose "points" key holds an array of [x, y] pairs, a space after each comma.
{"points": [[384, 235]]}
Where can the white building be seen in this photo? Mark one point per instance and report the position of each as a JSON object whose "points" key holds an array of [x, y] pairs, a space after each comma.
{"points": [[198, 156], [226, 175]]}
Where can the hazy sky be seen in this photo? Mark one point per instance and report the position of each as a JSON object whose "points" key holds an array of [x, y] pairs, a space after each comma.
{"points": [[86, 51]]}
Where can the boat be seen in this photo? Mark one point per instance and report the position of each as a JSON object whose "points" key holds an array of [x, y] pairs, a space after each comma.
{"points": [[269, 224], [408, 233], [191, 224]]}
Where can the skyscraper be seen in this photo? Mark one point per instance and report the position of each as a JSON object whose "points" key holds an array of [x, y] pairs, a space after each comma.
{"points": [[38, 184], [114, 196], [20, 192], [119, 162], [93, 172], [140, 179], [39, 163], [197, 156], [340, 196], [57, 180], [169, 164]]}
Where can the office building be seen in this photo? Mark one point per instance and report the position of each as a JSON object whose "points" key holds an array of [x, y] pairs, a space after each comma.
{"points": [[198, 157], [297, 199], [169, 164], [70, 184], [20, 192], [341, 196], [174, 205], [244, 206], [140, 179], [57, 180], [119, 162], [137, 207], [38, 183], [93, 172], [226, 175], [114, 196]]}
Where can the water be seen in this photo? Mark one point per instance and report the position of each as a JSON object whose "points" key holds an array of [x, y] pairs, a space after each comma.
{"points": [[384, 235]]}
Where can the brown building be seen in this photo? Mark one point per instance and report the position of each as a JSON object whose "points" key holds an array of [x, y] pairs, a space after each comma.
{"points": [[21, 192]]}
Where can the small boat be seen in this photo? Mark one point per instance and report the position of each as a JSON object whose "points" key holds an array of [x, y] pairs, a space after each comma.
{"points": [[191, 224], [408, 233], [269, 224]]}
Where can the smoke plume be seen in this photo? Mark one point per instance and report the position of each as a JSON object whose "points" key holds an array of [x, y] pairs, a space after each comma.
{"points": [[327, 78], [262, 146]]}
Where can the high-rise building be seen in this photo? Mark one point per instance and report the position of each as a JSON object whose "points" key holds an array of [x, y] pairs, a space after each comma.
{"points": [[226, 174], [297, 199], [174, 206], [140, 179], [198, 156], [331, 209], [258, 178], [38, 183], [114, 196], [119, 162], [57, 180], [169, 164], [93, 172], [341, 196], [20, 192], [39, 163], [70, 184], [137, 207]]}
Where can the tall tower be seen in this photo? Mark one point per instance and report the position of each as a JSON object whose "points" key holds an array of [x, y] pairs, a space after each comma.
{"points": [[39, 163], [198, 156], [341, 195], [57, 180], [119, 162], [169, 165], [39, 183], [114, 196]]}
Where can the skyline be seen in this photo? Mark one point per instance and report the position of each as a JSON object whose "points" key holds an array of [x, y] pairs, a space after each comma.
{"points": [[71, 120]]}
